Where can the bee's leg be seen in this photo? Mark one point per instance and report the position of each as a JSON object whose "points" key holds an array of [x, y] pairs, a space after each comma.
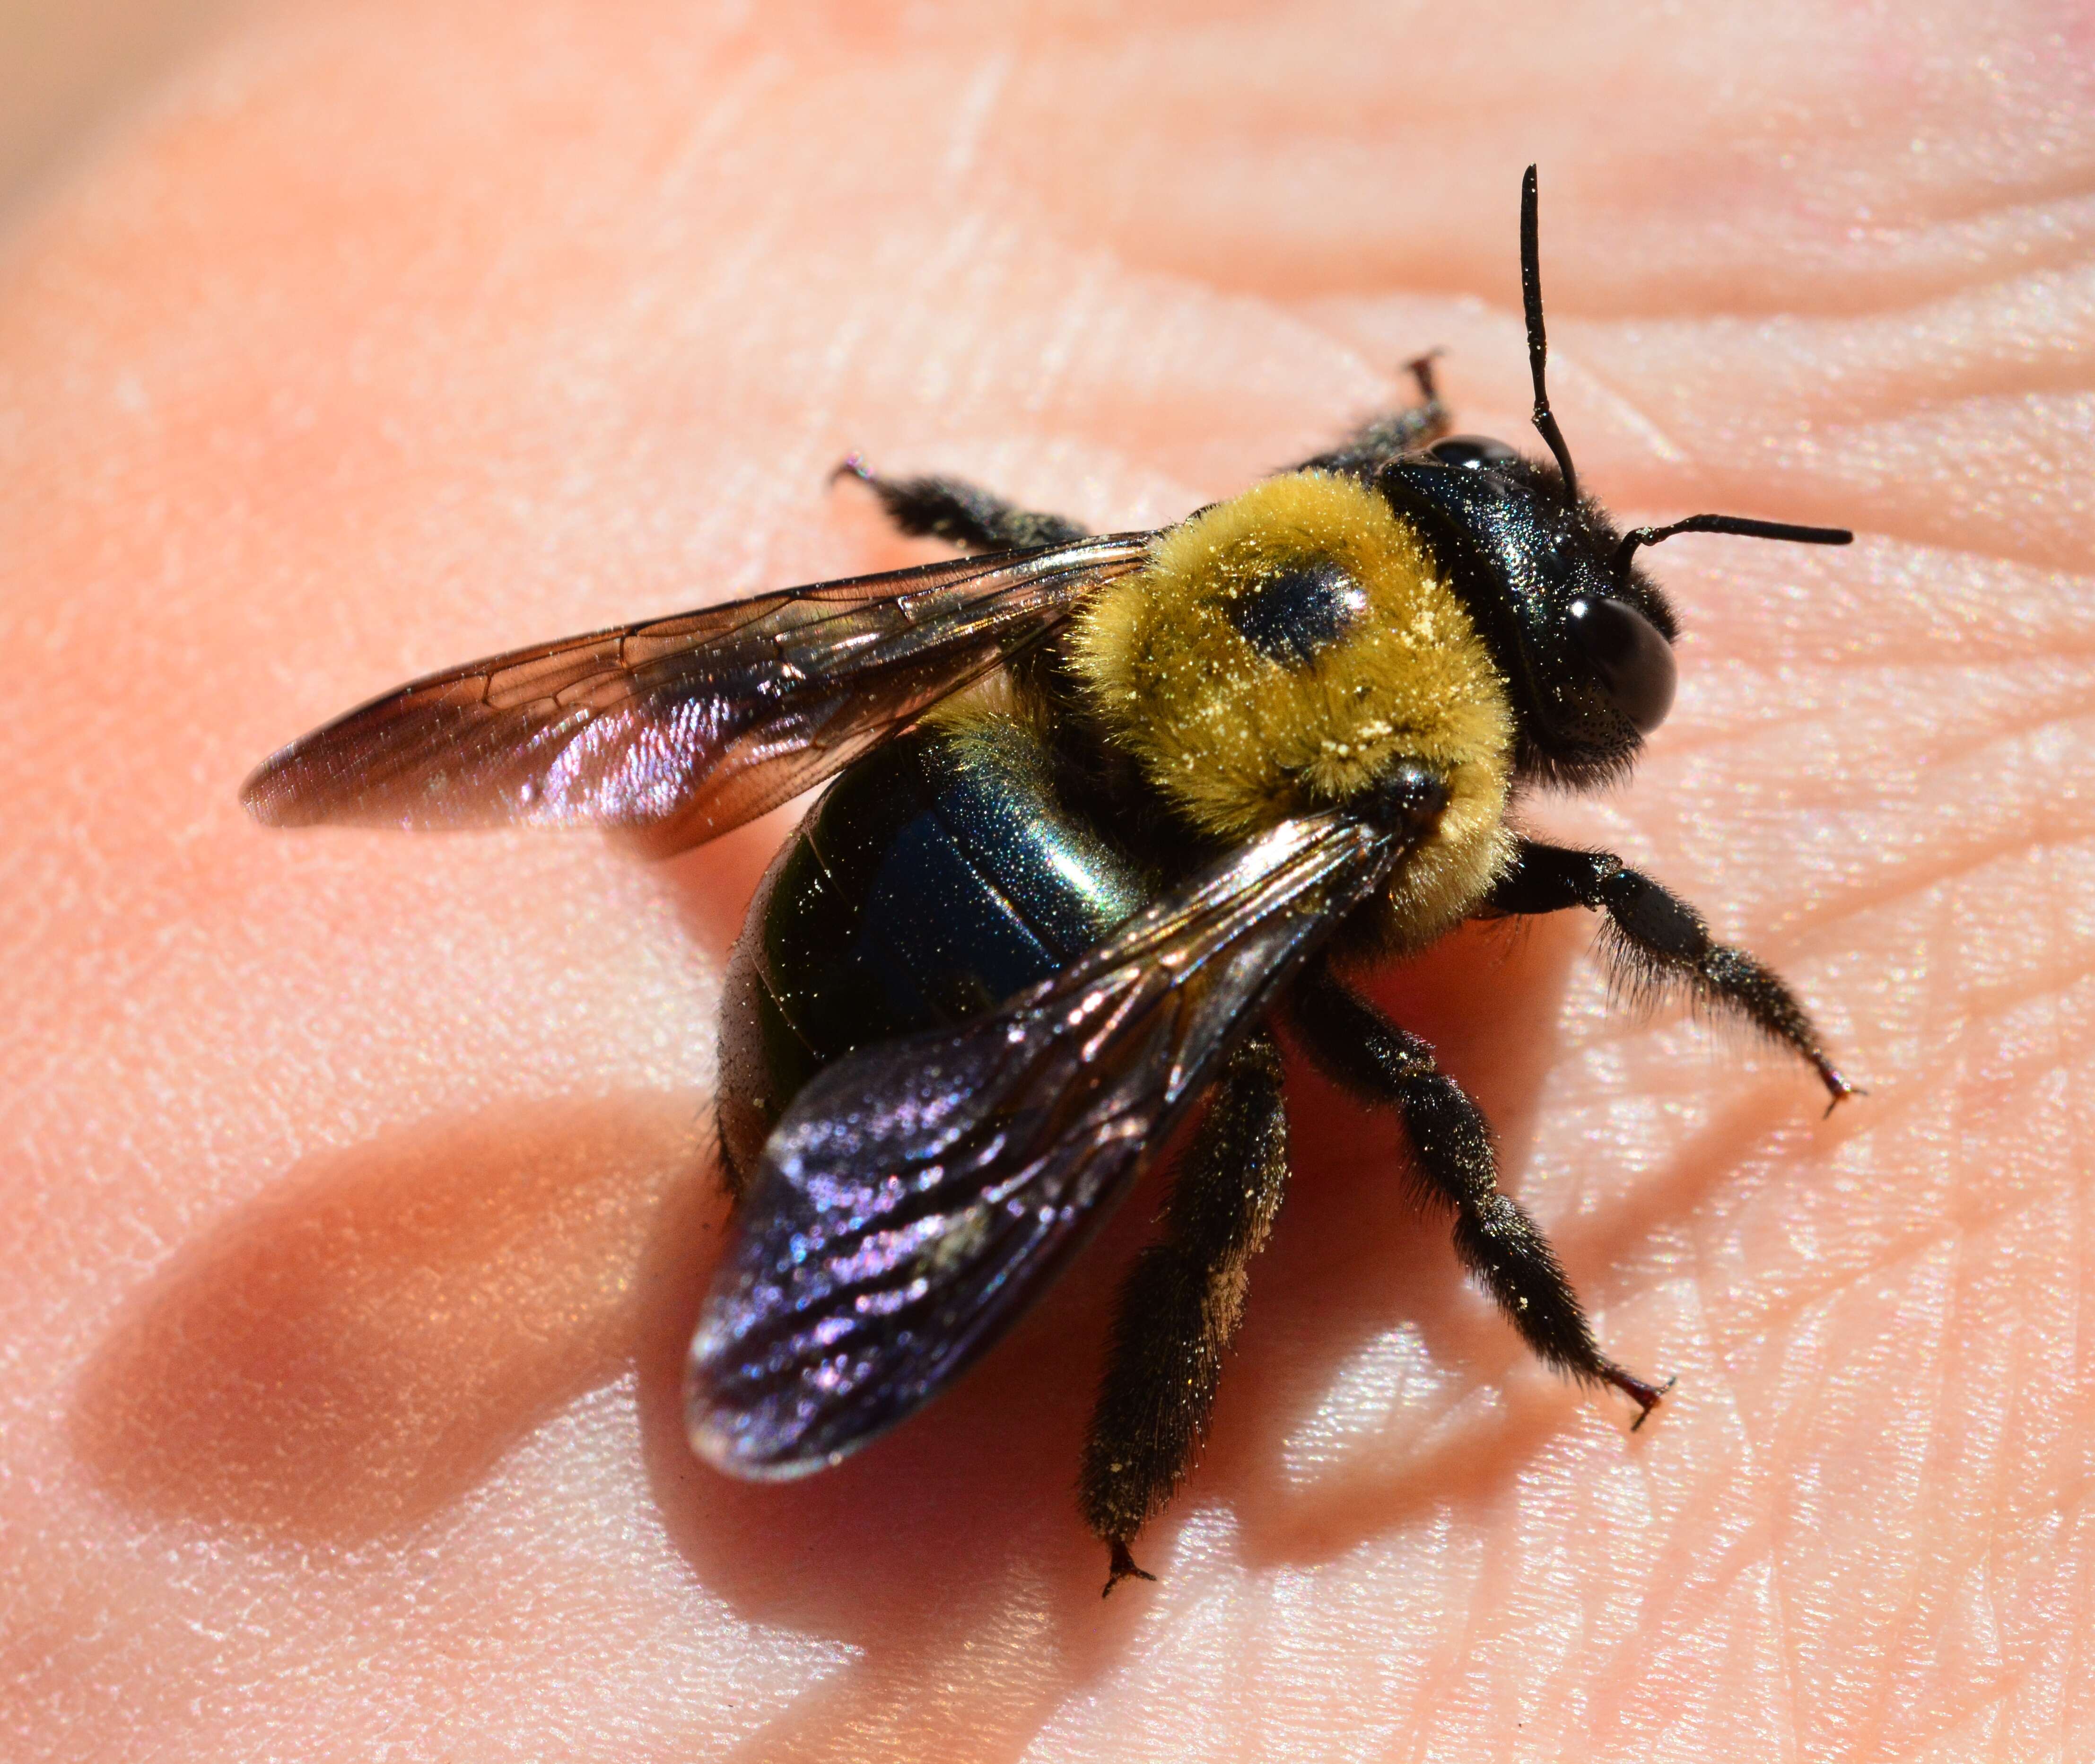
{"points": [[963, 514], [1182, 1303], [1361, 1049], [1383, 438], [1658, 940]]}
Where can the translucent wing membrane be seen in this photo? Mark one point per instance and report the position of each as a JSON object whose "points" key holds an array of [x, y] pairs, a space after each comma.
{"points": [[683, 727], [919, 1194]]}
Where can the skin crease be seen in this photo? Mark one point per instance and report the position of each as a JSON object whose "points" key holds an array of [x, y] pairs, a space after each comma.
{"points": [[358, 1190]]}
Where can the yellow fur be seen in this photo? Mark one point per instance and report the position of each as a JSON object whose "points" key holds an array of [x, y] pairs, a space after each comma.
{"points": [[995, 695], [1238, 741]]}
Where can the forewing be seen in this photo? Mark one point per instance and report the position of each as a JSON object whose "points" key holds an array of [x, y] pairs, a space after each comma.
{"points": [[683, 727], [918, 1194]]}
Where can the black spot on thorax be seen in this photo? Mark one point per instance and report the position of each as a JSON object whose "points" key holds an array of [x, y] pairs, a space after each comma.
{"points": [[1292, 614]]}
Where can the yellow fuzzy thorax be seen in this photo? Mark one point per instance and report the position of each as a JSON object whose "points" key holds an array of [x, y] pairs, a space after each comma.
{"points": [[1237, 740]]}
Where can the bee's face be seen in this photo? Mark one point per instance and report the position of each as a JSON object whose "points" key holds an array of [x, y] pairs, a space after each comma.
{"points": [[1586, 648]]}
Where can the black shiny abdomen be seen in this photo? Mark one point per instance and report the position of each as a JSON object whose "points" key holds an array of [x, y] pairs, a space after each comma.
{"points": [[932, 881]]}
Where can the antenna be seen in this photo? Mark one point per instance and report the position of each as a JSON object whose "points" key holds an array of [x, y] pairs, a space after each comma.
{"points": [[1537, 345], [1545, 420], [1733, 524]]}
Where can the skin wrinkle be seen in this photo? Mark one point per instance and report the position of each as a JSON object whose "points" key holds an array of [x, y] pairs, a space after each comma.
{"points": [[1733, 1560], [1953, 1245], [1808, 247], [1804, 1305], [1979, 342], [1806, 932], [1991, 1546], [2084, 1238], [2080, 708], [1919, 1598], [1915, 1596], [371, 341]]}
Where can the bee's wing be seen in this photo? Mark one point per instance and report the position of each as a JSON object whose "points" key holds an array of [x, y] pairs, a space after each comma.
{"points": [[919, 1194], [683, 727]]}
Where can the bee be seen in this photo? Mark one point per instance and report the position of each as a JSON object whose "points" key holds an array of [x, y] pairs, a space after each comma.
{"points": [[1106, 812]]}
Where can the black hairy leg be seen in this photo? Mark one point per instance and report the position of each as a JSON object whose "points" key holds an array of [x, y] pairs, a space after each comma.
{"points": [[1388, 436], [1181, 1302], [963, 514], [1361, 1049], [1658, 941]]}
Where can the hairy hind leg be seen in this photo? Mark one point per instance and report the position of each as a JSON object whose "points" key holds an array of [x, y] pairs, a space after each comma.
{"points": [[962, 513], [1369, 1056], [1182, 1303]]}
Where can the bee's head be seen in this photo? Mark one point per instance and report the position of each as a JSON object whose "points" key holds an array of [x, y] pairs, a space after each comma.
{"points": [[1586, 647], [1583, 638]]}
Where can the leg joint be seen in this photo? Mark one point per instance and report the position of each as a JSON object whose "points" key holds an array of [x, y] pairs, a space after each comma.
{"points": [[1547, 878], [1354, 1043]]}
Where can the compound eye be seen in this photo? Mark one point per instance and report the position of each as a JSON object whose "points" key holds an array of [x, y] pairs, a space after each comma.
{"points": [[1479, 453], [1634, 662]]}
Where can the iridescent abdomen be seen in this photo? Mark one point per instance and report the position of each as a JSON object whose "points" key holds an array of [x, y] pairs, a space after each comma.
{"points": [[932, 881]]}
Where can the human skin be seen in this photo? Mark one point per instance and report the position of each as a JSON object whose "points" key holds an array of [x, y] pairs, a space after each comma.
{"points": [[359, 1188]]}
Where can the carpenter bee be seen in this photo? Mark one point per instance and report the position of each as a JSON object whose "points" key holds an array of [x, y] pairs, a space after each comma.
{"points": [[1106, 811]]}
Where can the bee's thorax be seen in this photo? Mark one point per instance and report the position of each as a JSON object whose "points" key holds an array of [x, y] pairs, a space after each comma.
{"points": [[1288, 651]]}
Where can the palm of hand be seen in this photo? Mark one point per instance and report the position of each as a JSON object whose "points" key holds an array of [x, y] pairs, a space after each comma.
{"points": [[364, 1201]]}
